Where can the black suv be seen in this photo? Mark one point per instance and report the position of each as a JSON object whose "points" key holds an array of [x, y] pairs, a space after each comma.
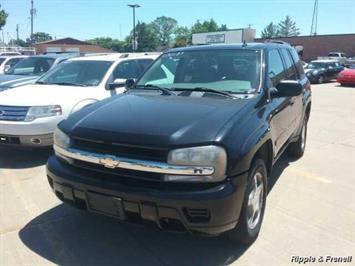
{"points": [[191, 143]]}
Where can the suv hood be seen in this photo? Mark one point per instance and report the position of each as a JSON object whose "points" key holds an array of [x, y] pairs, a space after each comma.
{"points": [[158, 121], [38, 94], [11, 81]]}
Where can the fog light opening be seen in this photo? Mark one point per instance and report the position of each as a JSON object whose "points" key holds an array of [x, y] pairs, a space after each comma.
{"points": [[36, 141]]}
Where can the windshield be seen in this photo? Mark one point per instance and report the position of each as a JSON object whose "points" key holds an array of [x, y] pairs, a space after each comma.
{"points": [[316, 65], [234, 71], [32, 66], [77, 72]]}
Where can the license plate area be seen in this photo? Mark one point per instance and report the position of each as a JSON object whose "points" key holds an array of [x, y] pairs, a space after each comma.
{"points": [[106, 205]]}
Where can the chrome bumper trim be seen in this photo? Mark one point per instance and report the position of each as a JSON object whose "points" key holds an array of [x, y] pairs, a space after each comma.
{"points": [[112, 161]]}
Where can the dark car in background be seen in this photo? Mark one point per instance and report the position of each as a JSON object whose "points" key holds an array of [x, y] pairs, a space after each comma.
{"points": [[319, 71], [191, 144], [28, 70]]}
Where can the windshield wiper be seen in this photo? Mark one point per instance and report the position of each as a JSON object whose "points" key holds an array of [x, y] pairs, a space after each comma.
{"points": [[165, 91], [67, 84], [204, 89]]}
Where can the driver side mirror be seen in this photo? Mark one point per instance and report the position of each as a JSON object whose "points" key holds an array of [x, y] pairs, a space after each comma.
{"points": [[6, 68], [117, 83], [287, 88]]}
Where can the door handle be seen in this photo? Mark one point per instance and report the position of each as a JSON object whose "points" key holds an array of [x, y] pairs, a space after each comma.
{"points": [[292, 102]]}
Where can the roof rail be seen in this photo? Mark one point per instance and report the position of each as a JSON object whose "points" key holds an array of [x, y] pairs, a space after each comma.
{"points": [[125, 55], [276, 41]]}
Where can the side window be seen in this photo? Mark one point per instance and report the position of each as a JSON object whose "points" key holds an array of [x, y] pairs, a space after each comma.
{"points": [[126, 70], [298, 62], [13, 62], [144, 63], [290, 70], [276, 70]]}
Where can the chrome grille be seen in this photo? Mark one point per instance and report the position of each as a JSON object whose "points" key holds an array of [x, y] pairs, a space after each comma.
{"points": [[13, 113]]}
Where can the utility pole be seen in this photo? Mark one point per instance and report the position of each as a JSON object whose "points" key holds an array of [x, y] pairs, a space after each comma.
{"points": [[134, 41], [17, 32], [314, 18], [32, 13]]}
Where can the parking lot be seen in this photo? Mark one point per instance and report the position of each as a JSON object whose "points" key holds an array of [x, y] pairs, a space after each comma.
{"points": [[310, 208]]}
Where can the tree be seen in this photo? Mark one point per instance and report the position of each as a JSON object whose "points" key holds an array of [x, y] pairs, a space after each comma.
{"points": [[223, 27], [147, 37], [287, 28], [3, 17], [18, 42], [109, 43], [182, 36], [205, 26], [165, 27], [270, 31], [40, 37]]}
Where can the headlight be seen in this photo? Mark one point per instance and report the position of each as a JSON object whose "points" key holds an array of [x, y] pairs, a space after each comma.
{"points": [[315, 72], [35, 112], [61, 139], [199, 156]]}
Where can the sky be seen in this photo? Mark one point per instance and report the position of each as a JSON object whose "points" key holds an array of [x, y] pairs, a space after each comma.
{"points": [[87, 19]]}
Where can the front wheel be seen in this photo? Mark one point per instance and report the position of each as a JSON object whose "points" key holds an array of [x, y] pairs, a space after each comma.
{"points": [[297, 148], [252, 212], [321, 79]]}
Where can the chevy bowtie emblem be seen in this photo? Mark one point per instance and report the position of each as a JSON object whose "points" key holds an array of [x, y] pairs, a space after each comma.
{"points": [[109, 162]]}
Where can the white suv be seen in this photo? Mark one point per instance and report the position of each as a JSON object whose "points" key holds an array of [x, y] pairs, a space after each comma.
{"points": [[29, 114]]}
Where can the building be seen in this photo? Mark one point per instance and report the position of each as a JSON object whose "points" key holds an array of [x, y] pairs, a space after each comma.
{"points": [[69, 45], [310, 47], [229, 36]]}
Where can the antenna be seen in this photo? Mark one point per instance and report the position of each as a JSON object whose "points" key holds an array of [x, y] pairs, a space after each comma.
{"points": [[314, 18]]}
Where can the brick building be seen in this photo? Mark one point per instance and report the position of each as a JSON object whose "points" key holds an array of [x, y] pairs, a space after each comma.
{"points": [[311, 47], [68, 45]]}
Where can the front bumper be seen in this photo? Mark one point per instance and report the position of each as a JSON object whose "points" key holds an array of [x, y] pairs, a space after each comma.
{"points": [[208, 211], [312, 78], [44, 140], [346, 80]]}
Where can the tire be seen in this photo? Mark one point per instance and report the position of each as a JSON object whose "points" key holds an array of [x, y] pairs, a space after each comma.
{"points": [[321, 79], [296, 149], [251, 216]]}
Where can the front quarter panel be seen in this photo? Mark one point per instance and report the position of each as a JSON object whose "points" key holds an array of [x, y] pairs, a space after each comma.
{"points": [[249, 131]]}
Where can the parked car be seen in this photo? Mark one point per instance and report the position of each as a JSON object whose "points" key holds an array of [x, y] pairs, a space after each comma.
{"points": [[9, 53], [28, 70], [335, 56], [7, 62], [347, 76], [29, 114], [191, 144], [319, 71]]}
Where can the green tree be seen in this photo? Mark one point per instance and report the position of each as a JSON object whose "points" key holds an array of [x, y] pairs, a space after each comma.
{"points": [[223, 27], [205, 26], [165, 27], [40, 37], [182, 36], [270, 31], [287, 28], [3, 17], [18, 42], [109, 43], [147, 37]]}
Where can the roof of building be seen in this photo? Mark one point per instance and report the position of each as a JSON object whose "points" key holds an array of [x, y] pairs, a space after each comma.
{"points": [[66, 41]]}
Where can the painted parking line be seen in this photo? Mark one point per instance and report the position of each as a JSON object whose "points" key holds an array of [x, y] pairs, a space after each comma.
{"points": [[310, 175]]}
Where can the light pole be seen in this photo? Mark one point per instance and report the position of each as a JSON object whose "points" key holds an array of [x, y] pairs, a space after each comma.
{"points": [[134, 6]]}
